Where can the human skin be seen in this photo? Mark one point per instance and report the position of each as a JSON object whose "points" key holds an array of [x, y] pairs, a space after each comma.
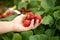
{"points": [[16, 25]]}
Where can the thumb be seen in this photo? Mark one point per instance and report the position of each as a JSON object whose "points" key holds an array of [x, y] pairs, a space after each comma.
{"points": [[22, 17], [19, 18]]}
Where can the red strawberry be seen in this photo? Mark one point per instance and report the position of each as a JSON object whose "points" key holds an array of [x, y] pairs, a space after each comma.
{"points": [[0, 16], [38, 17], [26, 23], [3, 16], [30, 16], [13, 13], [28, 11], [21, 11], [8, 13]]}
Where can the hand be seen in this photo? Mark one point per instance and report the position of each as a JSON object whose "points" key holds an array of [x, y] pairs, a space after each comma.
{"points": [[18, 24]]}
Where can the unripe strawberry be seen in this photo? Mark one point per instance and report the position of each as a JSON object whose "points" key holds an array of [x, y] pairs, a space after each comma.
{"points": [[26, 23]]}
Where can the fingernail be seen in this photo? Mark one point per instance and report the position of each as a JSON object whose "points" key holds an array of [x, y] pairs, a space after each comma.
{"points": [[37, 20], [32, 19]]}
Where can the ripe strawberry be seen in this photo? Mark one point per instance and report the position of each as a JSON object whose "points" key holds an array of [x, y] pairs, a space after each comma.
{"points": [[21, 11], [3, 16], [13, 13], [30, 15], [0, 16], [38, 17], [26, 23], [28, 11], [24, 12], [8, 13]]}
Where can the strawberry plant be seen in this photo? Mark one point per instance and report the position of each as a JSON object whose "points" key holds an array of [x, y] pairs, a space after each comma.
{"points": [[49, 29]]}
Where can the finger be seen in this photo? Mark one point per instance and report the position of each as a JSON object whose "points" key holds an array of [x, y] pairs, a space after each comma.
{"points": [[32, 23], [41, 21], [24, 28], [19, 28], [20, 18], [30, 27], [36, 24], [22, 15]]}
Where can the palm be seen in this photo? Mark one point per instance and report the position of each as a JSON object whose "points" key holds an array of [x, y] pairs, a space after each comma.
{"points": [[18, 21]]}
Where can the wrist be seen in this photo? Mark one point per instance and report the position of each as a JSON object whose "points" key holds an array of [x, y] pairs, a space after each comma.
{"points": [[11, 25], [6, 26]]}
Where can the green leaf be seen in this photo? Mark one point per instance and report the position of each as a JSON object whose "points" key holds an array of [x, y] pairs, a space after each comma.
{"points": [[43, 37], [9, 18], [0, 37], [48, 4], [38, 37], [56, 14], [8, 3], [33, 0], [44, 5], [57, 7], [54, 38], [50, 32], [16, 2], [33, 4], [40, 12], [58, 23], [7, 36], [57, 3], [17, 36], [34, 10], [35, 37], [39, 30], [47, 20], [26, 35], [20, 5]]}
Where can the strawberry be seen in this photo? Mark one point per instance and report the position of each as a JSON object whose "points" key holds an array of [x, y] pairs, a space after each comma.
{"points": [[28, 11], [30, 15], [3, 16], [38, 17], [26, 23], [21, 11], [24, 12], [0, 16], [8, 13]]}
